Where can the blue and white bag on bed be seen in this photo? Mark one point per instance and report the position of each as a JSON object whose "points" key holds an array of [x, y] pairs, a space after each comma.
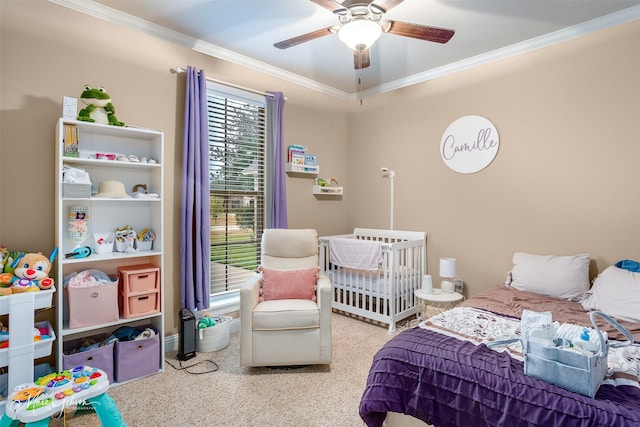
{"points": [[569, 366]]}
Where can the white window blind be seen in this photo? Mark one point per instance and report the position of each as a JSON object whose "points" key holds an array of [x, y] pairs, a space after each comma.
{"points": [[237, 182]]}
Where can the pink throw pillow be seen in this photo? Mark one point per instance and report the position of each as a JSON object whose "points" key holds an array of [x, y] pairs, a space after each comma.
{"points": [[288, 284]]}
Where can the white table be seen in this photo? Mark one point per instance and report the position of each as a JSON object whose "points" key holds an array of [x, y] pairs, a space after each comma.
{"points": [[430, 304]]}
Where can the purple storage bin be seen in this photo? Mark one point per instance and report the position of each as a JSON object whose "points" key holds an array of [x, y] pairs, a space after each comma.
{"points": [[101, 357], [134, 359]]}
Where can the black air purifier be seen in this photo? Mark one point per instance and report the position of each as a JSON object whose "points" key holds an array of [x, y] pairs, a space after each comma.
{"points": [[187, 331]]}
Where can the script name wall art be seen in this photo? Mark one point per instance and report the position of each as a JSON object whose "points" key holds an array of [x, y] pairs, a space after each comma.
{"points": [[469, 144]]}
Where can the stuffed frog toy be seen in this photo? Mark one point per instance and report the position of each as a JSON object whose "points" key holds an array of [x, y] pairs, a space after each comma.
{"points": [[99, 108]]}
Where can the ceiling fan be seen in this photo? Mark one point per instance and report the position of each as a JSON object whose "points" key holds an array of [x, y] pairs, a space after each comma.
{"points": [[362, 23]]}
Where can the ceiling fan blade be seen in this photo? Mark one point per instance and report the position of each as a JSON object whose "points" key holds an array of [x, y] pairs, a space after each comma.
{"points": [[387, 5], [285, 44], [361, 59], [329, 5], [416, 31]]}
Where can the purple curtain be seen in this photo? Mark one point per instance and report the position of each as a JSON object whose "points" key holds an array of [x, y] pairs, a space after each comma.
{"points": [[194, 222], [278, 198]]}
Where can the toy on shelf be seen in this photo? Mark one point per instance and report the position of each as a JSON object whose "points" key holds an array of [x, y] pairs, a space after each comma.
{"points": [[39, 334], [8, 267], [4, 254], [81, 252], [144, 239], [125, 239], [4, 334], [30, 273], [99, 108]]}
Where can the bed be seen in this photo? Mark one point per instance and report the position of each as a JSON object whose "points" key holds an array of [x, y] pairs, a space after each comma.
{"points": [[442, 372], [375, 272]]}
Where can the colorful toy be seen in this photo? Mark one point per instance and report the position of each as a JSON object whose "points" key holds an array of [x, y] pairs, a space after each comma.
{"points": [[4, 333], [4, 254], [6, 272], [206, 321], [39, 334], [99, 108], [81, 252], [31, 273], [146, 235], [8, 267]]}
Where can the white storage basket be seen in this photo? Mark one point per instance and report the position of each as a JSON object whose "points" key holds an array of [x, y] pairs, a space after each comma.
{"points": [[214, 338]]}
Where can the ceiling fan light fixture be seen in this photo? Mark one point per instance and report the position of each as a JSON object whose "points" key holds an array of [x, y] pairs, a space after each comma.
{"points": [[360, 34]]}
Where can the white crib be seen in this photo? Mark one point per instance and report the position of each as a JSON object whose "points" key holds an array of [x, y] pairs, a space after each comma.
{"points": [[386, 294]]}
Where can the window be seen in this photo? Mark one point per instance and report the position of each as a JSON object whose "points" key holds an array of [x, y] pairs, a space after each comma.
{"points": [[237, 182]]}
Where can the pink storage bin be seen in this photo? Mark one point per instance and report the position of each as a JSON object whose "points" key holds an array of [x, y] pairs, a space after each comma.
{"points": [[139, 278], [93, 305], [139, 304]]}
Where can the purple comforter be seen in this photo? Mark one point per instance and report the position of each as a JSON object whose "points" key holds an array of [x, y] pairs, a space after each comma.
{"points": [[445, 381]]}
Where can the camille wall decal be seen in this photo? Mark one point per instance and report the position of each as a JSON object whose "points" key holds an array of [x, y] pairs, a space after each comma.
{"points": [[469, 144]]}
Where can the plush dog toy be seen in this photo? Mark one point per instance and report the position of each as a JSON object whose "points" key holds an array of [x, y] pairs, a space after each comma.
{"points": [[99, 108], [31, 274]]}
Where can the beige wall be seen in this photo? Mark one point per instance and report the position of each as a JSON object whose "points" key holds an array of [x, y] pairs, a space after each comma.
{"points": [[563, 181], [49, 51]]}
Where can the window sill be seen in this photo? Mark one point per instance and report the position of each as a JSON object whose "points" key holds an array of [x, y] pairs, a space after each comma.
{"points": [[223, 304]]}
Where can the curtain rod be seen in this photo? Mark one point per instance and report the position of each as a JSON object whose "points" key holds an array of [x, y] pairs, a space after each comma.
{"points": [[180, 70]]}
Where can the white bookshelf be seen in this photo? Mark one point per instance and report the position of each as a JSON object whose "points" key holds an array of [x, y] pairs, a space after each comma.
{"points": [[107, 214]]}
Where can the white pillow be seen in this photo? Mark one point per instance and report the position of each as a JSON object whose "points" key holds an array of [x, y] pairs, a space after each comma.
{"points": [[616, 292], [556, 276]]}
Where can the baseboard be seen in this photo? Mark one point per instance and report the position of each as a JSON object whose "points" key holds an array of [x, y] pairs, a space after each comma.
{"points": [[171, 341]]}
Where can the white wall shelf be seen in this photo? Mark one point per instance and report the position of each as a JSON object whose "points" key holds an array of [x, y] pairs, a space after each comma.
{"points": [[327, 190], [302, 170]]}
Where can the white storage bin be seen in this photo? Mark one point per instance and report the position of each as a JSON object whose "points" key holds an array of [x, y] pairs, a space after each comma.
{"points": [[214, 338], [41, 348], [146, 245], [76, 191], [42, 299], [103, 242]]}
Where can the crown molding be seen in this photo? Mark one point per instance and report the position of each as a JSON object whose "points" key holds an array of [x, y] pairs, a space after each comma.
{"points": [[607, 21], [108, 14]]}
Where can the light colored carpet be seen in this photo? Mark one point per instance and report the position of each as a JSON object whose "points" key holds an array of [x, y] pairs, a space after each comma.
{"points": [[311, 396]]}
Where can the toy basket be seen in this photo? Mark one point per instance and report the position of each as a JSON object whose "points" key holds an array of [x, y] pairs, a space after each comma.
{"points": [[103, 242], [214, 338]]}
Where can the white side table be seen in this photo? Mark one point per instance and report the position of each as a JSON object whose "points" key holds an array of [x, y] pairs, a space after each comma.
{"points": [[430, 304]]}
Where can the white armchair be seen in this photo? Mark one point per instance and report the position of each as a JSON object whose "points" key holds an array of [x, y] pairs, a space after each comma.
{"points": [[285, 332]]}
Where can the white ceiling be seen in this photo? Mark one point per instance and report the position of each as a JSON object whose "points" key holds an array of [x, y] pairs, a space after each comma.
{"points": [[244, 31]]}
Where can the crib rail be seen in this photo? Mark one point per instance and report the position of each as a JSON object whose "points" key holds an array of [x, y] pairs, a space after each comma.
{"points": [[387, 293]]}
